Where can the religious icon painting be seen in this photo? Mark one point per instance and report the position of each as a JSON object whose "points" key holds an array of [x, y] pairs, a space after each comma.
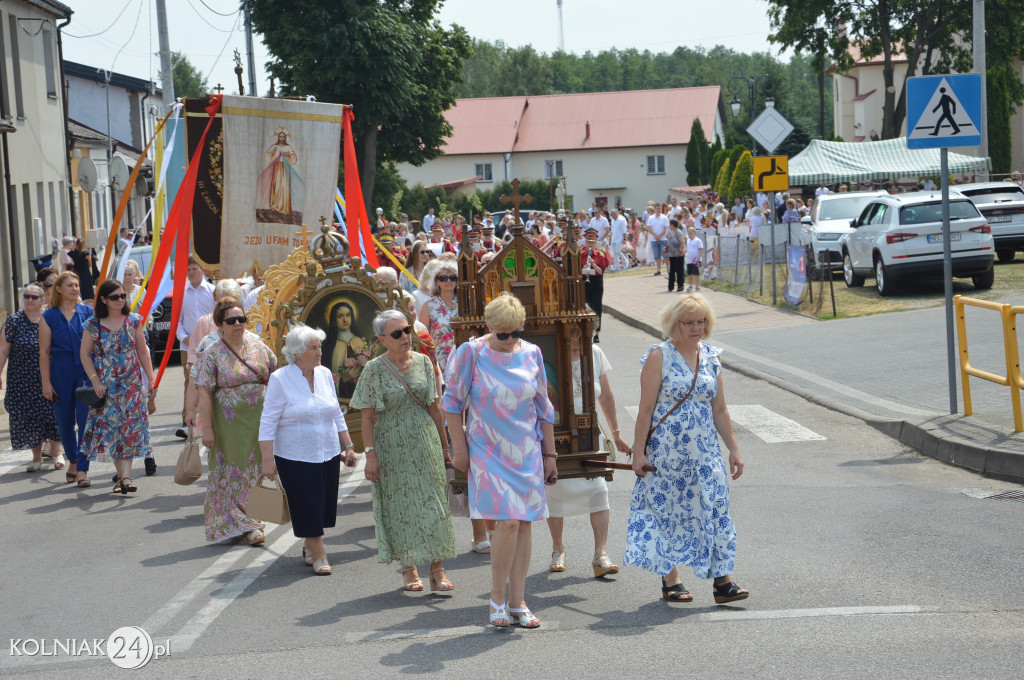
{"points": [[346, 316]]}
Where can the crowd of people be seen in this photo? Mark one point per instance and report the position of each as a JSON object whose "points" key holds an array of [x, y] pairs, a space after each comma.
{"points": [[482, 407]]}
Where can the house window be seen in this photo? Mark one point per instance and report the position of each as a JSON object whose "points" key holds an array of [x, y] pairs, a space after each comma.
{"points": [[553, 168], [51, 78], [656, 165], [484, 172]]}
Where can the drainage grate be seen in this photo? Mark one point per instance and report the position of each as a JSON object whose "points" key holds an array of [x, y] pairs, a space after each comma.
{"points": [[1015, 495]]}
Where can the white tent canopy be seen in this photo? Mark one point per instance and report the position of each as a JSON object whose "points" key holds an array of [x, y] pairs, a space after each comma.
{"points": [[834, 162]]}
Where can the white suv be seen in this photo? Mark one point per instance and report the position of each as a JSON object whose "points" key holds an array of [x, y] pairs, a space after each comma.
{"points": [[1002, 204], [900, 237], [829, 220]]}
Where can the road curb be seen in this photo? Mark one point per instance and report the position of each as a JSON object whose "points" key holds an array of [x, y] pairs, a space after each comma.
{"points": [[921, 435]]}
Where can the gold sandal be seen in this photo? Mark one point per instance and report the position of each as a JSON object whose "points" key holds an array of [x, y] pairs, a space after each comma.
{"points": [[557, 561], [440, 583], [412, 579], [603, 566]]}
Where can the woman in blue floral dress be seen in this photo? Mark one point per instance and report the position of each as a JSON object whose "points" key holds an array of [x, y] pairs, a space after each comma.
{"points": [[116, 359], [679, 513]]}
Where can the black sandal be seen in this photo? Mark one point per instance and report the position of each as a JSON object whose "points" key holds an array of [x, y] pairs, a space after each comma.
{"points": [[676, 593], [127, 487], [728, 591]]}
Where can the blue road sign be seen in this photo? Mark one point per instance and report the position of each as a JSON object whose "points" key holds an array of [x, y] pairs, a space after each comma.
{"points": [[944, 111]]}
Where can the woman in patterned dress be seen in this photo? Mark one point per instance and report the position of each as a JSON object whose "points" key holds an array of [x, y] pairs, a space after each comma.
{"points": [[501, 379], [115, 355], [679, 514], [31, 416], [406, 449], [232, 378]]}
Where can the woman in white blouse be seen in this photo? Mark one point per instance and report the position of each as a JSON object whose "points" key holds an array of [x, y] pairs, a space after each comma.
{"points": [[302, 435]]}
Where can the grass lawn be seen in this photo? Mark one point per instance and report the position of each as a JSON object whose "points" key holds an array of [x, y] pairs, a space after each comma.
{"points": [[851, 302]]}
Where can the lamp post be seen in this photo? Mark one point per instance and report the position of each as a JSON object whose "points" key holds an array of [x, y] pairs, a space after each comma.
{"points": [[765, 83]]}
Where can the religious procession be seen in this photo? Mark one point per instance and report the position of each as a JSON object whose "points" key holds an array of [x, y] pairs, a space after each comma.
{"points": [[456, 361]]}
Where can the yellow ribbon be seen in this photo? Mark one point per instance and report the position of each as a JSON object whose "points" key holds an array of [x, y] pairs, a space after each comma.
{"points": [[397, 263]]}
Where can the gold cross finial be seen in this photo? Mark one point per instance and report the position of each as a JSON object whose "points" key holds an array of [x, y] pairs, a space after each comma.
{"points": [[305, 234], [515, 199]]}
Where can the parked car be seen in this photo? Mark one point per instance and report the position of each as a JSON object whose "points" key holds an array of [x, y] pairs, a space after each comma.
{"points": [[899, 237], [1002, 203], [829, 219]]}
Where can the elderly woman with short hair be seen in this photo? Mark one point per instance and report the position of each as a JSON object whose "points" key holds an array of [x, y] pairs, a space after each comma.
{"points": [[406, 448], [302, 436]]}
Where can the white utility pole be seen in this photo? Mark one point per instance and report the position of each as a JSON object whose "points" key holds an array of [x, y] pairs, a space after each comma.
{"points": [[979, 67], [166, 72], [247, 8], [561, 31]]}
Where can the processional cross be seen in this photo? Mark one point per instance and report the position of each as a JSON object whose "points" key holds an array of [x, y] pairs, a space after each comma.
{"points": [[516, 199]]}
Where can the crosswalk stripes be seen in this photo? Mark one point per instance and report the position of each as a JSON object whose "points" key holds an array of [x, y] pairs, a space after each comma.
{"points": [[766, 424]]}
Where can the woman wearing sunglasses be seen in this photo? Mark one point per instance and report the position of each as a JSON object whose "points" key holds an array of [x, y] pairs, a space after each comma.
{"points": [[31, 416], [406, 449], [507, 446], [232, 377], [114, 355]]}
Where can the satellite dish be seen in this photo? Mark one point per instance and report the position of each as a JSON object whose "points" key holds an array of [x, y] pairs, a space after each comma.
{"points": [[87, 176], [141, 186], [118, 173]]}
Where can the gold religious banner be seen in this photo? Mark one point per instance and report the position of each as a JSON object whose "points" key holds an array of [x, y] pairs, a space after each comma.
{"points": [[280, 169], [318, 286]]}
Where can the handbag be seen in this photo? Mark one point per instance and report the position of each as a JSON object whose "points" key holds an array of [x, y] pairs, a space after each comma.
{"points": [[86, 394], [268, 504], [190, 463], [678, 403]]}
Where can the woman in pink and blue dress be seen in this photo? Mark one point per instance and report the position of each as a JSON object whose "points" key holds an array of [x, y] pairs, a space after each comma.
{"points": [[507, 447], [115, 355]]}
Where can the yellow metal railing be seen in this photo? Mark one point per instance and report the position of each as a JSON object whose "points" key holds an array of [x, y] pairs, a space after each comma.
{"points": [[1012, 379]]}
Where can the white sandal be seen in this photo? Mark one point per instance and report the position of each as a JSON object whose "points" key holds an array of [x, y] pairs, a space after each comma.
{"points": [[557, 561], [526, 619], [499, 614], [321, 568], [483, 547]]}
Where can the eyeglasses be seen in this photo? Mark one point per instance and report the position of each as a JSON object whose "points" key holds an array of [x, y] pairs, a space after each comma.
{"points": [[700, 323], [511, 334], [116, 298], [443, 278], [30, 296], [397, 334], [236, 319]]}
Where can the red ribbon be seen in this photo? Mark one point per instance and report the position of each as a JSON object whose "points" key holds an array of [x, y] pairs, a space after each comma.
{"points": [[355, 209], [178, 231]]}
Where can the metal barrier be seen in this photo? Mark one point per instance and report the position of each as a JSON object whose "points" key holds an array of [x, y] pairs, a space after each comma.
{"points": [[1013, 378]]}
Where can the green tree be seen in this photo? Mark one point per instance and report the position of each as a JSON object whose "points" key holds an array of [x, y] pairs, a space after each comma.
{"points": [[740, 185], [1000, 141], [696, 155], [399, 71], [722, 182], [188, 80]]}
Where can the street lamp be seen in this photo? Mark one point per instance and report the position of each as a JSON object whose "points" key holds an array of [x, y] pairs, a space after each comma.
{"points": [[764, 82]]}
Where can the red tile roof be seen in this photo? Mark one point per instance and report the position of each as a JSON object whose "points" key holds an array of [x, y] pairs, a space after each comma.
{"points": [[862, 97], [559, 122]]}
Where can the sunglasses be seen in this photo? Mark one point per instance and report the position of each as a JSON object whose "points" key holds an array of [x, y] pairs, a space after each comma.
{"points": [[511, 334], [116, 298], [450, 277], [30, 296], [397, 334], [235, 319]]}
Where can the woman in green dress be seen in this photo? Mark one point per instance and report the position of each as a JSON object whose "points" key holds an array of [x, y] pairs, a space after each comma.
{"points": [[403, 431], [232, 378]]}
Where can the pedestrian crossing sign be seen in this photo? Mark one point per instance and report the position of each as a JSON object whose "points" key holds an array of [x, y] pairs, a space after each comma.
{"points": [[944, 111]]}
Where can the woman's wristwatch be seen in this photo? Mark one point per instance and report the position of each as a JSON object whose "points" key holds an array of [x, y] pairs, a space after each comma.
{"points": [[549, 455], [351, 447]]}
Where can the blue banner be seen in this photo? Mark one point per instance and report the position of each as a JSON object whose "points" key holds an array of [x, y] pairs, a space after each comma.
{"points": [[796, 263]]}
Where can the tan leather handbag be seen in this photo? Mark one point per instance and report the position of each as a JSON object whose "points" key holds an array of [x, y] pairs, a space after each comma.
{"points": [[190, 463], [268, 504]]}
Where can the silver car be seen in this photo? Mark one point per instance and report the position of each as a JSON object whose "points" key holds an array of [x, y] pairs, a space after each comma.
{"points": [[829, 220], [1002, 203]]}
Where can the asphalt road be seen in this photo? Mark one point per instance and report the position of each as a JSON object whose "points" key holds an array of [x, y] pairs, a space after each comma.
{"points": [[863, 560]]}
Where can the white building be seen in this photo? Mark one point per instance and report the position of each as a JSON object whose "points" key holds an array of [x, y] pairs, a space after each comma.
{"points": [[35, 203], [612, 148]]}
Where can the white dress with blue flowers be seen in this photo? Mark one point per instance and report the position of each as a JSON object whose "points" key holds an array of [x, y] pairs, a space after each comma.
{"points": [[680, 514]]}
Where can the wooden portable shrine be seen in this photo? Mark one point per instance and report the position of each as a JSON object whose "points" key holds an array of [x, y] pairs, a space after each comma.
{"points": [[557, 318]]}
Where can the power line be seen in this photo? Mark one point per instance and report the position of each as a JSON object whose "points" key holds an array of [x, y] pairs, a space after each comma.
{"points": [[93, 35], [228, 14], [130, 36], [219, 54], [230, 30]]}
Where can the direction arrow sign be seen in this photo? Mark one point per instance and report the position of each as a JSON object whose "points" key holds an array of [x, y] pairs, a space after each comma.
{"points": [[769, 129], [771, 173], [944, 111]]}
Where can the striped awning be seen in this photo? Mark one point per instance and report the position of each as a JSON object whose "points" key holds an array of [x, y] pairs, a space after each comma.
{"points": [[834, 162]]}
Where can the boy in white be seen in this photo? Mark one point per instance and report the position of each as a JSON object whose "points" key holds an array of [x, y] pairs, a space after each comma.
{"points": [[694, 255]]}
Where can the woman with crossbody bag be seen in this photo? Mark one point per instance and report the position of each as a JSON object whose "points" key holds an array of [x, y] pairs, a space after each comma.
{"points": [[232, 379], [406, 449], [679, 513]]}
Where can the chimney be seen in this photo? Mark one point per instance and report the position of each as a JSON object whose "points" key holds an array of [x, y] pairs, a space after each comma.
{"points": [[588, 130]]}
